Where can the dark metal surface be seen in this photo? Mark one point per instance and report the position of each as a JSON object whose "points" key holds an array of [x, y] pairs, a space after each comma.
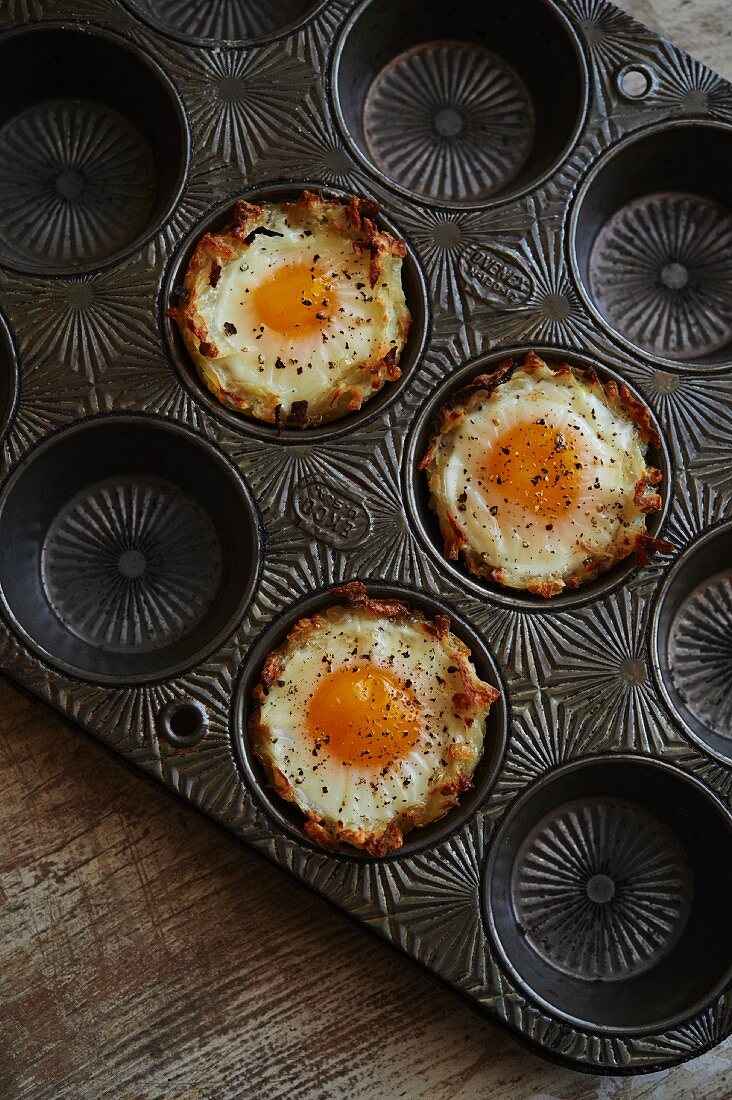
{"points": [[610, 867], [561, 176]]}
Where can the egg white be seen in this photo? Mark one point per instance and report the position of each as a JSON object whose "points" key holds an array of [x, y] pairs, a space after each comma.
{"points": [[262, 372], [358, 803], [528, 548]]}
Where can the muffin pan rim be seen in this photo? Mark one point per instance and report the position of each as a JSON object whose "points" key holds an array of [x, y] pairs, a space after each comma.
{"points": [[136, 10], [683, 367], [515, 637], [483, 204], [674, 572], [236, 479], [522, 800], [418, 840], [8, 344]]}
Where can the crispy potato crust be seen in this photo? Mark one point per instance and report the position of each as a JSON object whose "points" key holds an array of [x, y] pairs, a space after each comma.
{"points": [[359, 382], [619, 398], [475, 698]]}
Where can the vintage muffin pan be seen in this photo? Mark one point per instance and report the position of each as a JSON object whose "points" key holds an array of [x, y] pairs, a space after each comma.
{"points": [[561, 177]]}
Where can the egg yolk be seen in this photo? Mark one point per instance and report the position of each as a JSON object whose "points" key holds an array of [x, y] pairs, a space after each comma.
{"points": [[364, 716], [535, 467], [293, 300]]}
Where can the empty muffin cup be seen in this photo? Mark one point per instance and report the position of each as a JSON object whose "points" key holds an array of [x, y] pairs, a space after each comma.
{"points": [[415, 293], [128, 549], [605, 894], [691, 641], [93, 147], [459, 104], [425, 521], [651, 242], [288, 818], [234, 22]]}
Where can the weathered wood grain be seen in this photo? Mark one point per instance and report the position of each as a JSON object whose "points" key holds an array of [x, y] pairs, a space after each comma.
{"points": [[146, 955]]}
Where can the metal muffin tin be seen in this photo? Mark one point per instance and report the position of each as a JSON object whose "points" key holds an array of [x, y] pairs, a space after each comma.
{"points": [[561, 175]]}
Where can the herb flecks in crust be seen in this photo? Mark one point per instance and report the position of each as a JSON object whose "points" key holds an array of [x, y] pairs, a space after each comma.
{"points": [[539, 476], [370, 719], [295, 313]]}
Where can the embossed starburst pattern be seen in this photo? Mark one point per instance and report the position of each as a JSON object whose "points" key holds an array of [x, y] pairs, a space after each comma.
{"points": [[661, 273], [314, 152], [550, 312], [600, 674], [611, 34], [449, 120], [131, 565], [78, 184], [83, 322], [600, 889], [241, 104], [700, 652], [685, 86], [225, 20], [467, 255], [24, 11], [137, 582]]}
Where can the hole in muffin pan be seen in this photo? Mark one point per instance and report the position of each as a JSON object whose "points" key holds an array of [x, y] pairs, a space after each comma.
{"points": [[93, 147], [651, 243], [415, 291], [285, 816], [129, 549], [8, 377], [183, 722], [229, 22], [424, 520], [603, 894], [460, 104], [691, 641], [634, 82]]}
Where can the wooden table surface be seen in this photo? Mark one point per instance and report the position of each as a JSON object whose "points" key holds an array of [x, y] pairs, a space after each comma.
{"points": [[145, 955]]}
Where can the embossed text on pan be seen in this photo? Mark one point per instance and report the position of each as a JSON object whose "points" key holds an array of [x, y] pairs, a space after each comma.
{"points": [[496, 425]]}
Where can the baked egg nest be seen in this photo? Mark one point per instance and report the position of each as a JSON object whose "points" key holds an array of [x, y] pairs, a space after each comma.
{"points": [[295, 313], [370, 718], [539, 476]]}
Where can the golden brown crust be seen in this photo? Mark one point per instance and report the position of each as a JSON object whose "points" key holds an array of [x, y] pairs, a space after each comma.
{"points": [[331, 837], [475, 697], [377, 245], [646, 544], [452, 533], [322, 834], [354, 594], [643, 496], [452, 791], [272, 670], [547, 589], [453, 411], [619, 398], [475, 694], [439, 628], [354, 218]]}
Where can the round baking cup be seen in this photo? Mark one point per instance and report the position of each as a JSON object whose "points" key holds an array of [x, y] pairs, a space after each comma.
{"points": [[651, 243], [459, 120], [424, 520], [415, 291], [288, 818], [134, 549]]}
